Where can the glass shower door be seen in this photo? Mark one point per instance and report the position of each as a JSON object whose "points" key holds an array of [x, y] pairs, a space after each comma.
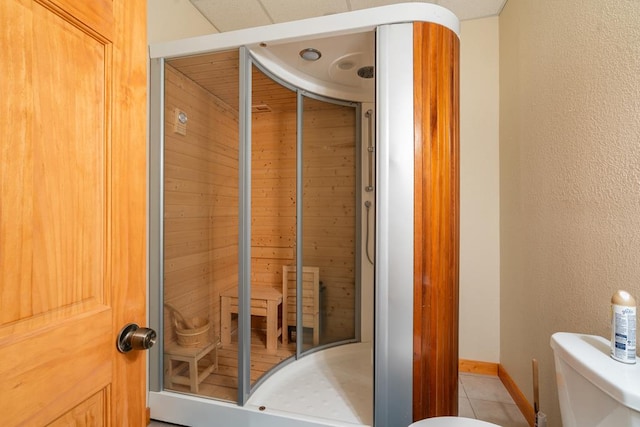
{"points": [[273, 219], [329, 278], [200, 225]]}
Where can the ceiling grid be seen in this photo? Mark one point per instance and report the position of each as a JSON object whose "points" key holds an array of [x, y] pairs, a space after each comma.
{"points": [[229, 15]]}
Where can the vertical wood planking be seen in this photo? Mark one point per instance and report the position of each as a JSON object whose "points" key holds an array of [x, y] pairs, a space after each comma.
{"points": [[436, 258]]}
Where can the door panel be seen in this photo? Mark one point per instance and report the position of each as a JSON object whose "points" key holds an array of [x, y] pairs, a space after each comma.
{"points": [[72, 210], [88, 413]]}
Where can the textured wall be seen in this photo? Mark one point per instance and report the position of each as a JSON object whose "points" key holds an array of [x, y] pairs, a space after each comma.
{"points": [[569, 175], [479, 191]]}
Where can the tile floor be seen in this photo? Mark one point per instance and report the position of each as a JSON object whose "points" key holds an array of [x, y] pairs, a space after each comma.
{"points": [[480, 396], [485, 398]]}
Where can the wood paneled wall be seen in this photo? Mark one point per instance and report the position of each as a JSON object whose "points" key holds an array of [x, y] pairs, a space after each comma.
{"points": [[329, 172], [436, 218], [201, 201], [273, 198]]}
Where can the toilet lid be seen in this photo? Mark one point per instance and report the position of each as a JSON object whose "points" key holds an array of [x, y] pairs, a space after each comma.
{"points": [[451, 422]]}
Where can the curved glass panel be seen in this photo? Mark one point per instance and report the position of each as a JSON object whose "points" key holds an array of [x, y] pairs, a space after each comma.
{"points": [[273, 218], [329, 173]]}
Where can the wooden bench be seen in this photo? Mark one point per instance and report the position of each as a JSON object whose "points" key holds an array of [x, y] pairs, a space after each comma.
{"points": [[188, 369]]}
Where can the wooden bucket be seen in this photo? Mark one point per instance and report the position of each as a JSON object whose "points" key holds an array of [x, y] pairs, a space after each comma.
{"points": [[191, 332]]}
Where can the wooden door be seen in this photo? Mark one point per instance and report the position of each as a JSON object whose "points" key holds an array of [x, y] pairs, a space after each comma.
{"points": [[72, 210]]}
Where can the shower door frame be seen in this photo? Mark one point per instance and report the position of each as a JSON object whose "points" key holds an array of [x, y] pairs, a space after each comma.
{"points": [[156, 270], [393, 350], [247, 60]]}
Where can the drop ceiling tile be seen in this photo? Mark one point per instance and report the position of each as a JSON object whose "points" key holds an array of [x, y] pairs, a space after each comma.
{"points": [[227, 15], [287, 10], [233, 15], [473, 9]]}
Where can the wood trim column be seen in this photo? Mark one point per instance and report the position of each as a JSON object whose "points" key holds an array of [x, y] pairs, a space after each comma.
{"points": [[436, 217]]}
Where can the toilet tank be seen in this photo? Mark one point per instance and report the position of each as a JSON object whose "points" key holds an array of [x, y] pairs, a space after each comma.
{"points": [[594, 389]]}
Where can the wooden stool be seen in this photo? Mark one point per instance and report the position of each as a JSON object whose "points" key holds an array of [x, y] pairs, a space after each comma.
{"points": [[264, 302], [190, 374]]}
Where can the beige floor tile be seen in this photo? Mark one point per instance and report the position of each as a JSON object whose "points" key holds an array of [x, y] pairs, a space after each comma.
{"points": [[503, 414], [485, 387], [464, 408], [461, 392]]}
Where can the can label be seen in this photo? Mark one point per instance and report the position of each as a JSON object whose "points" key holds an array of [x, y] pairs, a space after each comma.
{"points": [[623, 333]]}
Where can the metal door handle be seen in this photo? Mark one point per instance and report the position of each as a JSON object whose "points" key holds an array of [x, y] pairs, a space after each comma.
{"points": [[133, 337]]}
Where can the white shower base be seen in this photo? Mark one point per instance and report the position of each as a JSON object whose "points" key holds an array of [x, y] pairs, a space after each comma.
{"points": [[333, 386]]}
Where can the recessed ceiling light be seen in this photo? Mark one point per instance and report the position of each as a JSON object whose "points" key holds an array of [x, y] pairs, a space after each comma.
{"points": [[310, 54]]}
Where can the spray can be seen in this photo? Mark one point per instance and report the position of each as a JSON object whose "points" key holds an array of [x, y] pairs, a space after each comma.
{"points": [[623, 327]]}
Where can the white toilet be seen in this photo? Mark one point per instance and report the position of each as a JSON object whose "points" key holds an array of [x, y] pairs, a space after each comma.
{"points": [[594, 390], [451, 422]]}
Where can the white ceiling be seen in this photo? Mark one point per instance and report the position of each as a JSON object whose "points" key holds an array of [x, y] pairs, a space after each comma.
{"points": [[228, 15]]}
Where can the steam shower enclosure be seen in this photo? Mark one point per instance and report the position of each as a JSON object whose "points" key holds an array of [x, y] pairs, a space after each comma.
{"points": [[304, 221]]}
